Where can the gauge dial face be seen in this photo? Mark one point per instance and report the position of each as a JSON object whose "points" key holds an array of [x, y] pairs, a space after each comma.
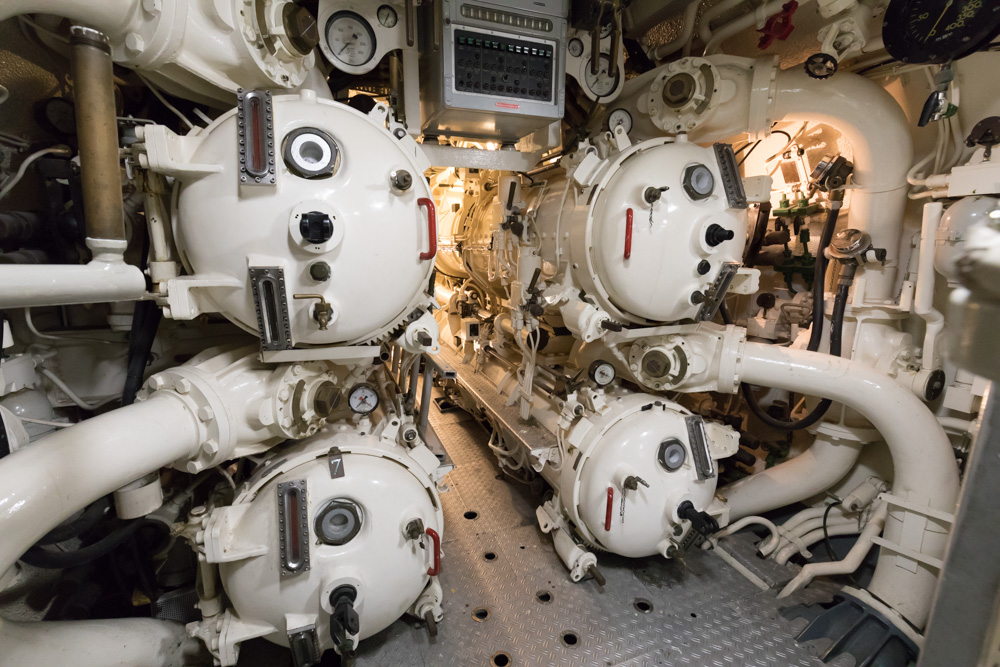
{"points": [[938, 31], [363, 398], [601, 84], [602, 373], [350, 38], [620, 118], [387, 16], [575, 47]]}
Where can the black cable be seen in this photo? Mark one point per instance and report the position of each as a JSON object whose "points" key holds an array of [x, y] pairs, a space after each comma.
{"points": [[819, 279], [58, 560], [826, 533], [836, 331], [68, 530]]}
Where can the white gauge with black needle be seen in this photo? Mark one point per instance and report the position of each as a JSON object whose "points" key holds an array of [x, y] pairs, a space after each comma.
{"points": [[350, 38], [620, 118], [603, 83], [363, 398], [602, 373], [387, 16]]}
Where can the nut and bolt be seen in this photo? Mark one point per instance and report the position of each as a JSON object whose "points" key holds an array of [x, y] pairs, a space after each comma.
{"points": [[401, 180]]}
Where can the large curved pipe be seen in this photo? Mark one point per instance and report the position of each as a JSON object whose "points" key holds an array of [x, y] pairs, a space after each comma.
{"points": [[137, 642], [925, 473], [110, 16], [813, 471], [867, 117], [44, 484]]}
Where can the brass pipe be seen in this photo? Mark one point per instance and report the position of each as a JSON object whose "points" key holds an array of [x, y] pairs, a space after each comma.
{"points": [[97, 131]]}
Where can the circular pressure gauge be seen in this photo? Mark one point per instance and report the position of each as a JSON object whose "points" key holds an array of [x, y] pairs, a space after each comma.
{"points": [[387, 16], [350, 38], [575, 47], [938, 31], [620, 118], [601, 372], [601, 84], [363, 398]]}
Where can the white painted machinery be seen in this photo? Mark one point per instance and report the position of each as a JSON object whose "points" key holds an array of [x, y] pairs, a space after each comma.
{"points": [[690, 279]]}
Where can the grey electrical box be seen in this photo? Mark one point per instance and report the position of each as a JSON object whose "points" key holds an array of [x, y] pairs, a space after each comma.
{"points": [[492, 71]]}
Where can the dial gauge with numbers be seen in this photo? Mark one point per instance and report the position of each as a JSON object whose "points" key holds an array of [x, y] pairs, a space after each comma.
{"points": [[938, 31], [620, 118], [603, 83], [601, 372], [350, 38], [363, 398], [387, 16]]}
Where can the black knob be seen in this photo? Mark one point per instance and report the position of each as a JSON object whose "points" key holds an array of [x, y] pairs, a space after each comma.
{"points": [[704, 267], [316, 227], [319, 271], [766, 300], [716, 234]]}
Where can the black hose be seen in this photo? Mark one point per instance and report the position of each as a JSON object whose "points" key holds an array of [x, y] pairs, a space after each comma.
{"points": [[836, 333], [70, 529], [826, 532], [145, 322], [58, 560], [819, 279]]}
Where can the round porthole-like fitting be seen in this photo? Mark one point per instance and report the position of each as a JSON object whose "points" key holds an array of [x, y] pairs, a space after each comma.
{"points": [[672, 454], [698, 182], [338, 522], [310, 153]]}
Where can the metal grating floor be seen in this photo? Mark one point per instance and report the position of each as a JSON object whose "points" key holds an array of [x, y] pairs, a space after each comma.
{"points": [[702, 611]]}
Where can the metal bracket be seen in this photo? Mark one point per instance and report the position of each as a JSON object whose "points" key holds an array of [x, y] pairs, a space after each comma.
{"points": [[698, 440], [271, 303], [731, 180], [717, 292], [293, 527], [303, 643]]}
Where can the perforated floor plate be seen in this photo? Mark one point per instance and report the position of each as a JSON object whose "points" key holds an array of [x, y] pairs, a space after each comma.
{"points": [[702, 612]]}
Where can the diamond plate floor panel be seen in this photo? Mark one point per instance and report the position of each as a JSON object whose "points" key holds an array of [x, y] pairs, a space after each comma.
{"points": [[703, 612]]}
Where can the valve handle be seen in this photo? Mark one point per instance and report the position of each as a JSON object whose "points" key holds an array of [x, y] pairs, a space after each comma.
{"points": [[628, 234], [431, 228], [609, 509], [436, 539]]}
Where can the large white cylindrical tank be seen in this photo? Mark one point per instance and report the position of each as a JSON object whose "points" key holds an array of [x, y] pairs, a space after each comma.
{"points": [[645, 438], [345, 219], [356, 514], [646, 239]]}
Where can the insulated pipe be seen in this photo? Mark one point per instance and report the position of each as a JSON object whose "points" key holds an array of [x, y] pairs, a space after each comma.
{"points": [[107, 277], [97, 129], [44, 484], [111, 16], [867, 117], [813, 471], [925, 473], [923, 294], [136, 642], [849, 564]]}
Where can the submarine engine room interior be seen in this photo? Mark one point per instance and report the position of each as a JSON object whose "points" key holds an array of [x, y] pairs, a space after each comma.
{"points": [[499, 333]]}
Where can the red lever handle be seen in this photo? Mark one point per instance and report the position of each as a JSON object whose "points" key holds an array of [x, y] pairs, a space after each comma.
{"points": [[436, 539], [628, 233], [431, 227], [611, 502]]}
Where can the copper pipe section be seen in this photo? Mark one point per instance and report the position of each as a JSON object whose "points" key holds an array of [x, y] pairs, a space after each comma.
{"points": [[97, 130]]}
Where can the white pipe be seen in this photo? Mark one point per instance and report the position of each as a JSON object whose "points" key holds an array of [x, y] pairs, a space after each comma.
{"points": [[925, 472], [757, 17], [712, 13], [687, 29], [109, 16], [106, 278], [849, 564], [136, 642], [813, 471], [834, 530], [870, 122], [923, 294], [44, 484]]}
